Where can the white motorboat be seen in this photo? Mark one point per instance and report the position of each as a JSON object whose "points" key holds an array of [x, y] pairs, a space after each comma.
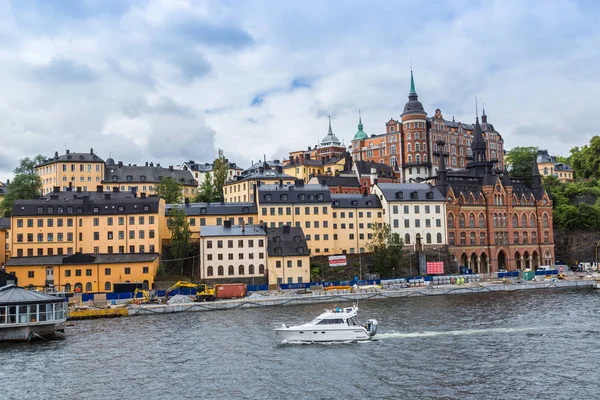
{"points": [[337, 325]]}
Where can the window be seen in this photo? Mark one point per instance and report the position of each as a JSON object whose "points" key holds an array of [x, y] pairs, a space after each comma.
{"points": [[96, 221], [439, 238], [131, 234], [107, 271], [96, 235], [127, 271], [407, 223], [67, 273], [219, 244]]}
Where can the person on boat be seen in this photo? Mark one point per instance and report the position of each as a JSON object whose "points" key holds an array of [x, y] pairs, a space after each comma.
{"points": [[337, 309]]}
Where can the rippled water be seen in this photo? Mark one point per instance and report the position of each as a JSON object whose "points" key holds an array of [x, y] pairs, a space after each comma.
{"points": [[536, 345]]}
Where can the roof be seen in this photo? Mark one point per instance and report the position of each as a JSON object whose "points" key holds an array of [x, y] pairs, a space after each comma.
{"points": [[4, 223], [410, 192], [71, 194], [204, 167], [383, 170], [85, 205], [287, 241], [299, 193], [72, 157], [413, 106], [544, 157], [347, 200], [261, 174], [360, 133], [151, 174], [334, 181], [15, 295], [80, 259], [265, 164], [3, 190], [234, 230], [215, 208], [315, 161], [330, 139]]}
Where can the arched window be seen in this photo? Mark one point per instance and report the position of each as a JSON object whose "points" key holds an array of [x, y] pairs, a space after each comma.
{"points": [[424, 157], [524, 221], [453, 161], [532, 220], [439, 238], [472, 240], [220, 270], [209, 271], [393, 149], [409, 148], [461, 220], [472, 220], [545, 170], [450, 220], [107, 287], [241, 270], [78, 287], [230, 270], [407, 238], [88, 287], [525, 238], [418, 158], [481, 220], [68, 287], [545, 220], [417, 146], [495, 221], [409, 158], [482, 238], [546, 237], [463, 238], [504, 222], [261, 269], [251, 269], [428, 238], [450, 238], [516, 238], [424, 145], [515, 221]]}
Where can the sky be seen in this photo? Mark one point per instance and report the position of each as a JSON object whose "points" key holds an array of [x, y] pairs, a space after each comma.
{"points": [[174, 80]]}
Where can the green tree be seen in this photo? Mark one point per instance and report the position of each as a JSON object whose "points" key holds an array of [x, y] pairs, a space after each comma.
{"points": [[206, 193], [180, 237], [586, 160], [521, 161], [25, 185], [170, 190], [220, 167], [386, 250]]}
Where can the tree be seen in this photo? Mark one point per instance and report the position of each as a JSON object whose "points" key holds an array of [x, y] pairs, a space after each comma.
{"points": [[206, 193], [586, 160], [220, 168], [386, 250], [170, 190], [521, 161], [180, 237], [25, 185]]}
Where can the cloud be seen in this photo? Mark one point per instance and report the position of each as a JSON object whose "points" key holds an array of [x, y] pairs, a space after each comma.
{"points": [[62, 70]]}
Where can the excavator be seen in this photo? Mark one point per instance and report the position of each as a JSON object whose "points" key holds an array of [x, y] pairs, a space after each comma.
{"points": [[203, 292], [145, 298]]}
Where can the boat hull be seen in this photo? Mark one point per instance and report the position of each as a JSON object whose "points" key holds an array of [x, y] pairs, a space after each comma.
{"points": [[26, 332], [314, 334]]}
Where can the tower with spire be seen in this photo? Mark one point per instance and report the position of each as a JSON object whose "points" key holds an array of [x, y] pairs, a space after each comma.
{"points": [[360, 134]]}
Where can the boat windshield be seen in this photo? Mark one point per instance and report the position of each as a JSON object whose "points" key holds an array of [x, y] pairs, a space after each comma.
{"points": [[330, 321], [354, 321]]}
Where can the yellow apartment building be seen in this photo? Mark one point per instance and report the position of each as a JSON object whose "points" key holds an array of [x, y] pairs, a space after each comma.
{"points": [[241, 188], [199, 215], [289, 257], [85, 170], [547, 166], [235, 253], [304, 167], [86, 222], [84, 273], [4, 245], [301, 206], [354, 216]]}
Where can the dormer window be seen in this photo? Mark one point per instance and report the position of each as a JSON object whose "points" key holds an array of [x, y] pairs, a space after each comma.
{"points": [[40, 210], [354, 202], [276, 239], [146, 208], [369, 203], [429, 195], [284, 197], [245, 209], [268, 197], [96, 209], [299, 249], [414, 195], [336, 203], [115, 178], [319, 196], [143, 178], [129, 178], [81, 157], [297, 239], [203, 210], [121, 208], [311, 197], [301, 196], [278, 250]]}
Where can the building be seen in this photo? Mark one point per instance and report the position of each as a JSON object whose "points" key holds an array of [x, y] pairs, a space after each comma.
{"points": [[338, 184], [302, 206], [199, 215], [329, 147], [85, 273], [3, 189], [409, 145], [353, 217], [242, 187], [289, 257], [548, 166], [91, 222], [4, 240], [233, 253], [201, 171], [369, 171], [144, 178], [85, 170], [413, 209], [495, 222], [304, 167]]}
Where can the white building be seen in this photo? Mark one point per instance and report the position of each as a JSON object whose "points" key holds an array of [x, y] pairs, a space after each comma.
{"points": [[200, 171], [414, 208]]}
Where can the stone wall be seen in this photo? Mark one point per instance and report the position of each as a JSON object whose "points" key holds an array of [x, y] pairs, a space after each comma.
{"points": [[572, 247]]}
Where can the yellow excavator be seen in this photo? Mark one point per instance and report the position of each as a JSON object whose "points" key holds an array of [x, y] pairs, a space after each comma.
{"points": [[145, 298], [203, 292]]}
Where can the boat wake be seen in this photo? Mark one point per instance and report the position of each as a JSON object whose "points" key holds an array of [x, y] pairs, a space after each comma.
{"points": [[285, 342], [391, 335]]}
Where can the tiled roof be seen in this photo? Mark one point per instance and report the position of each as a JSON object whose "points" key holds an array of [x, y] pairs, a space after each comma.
{"points": [[234, 230], [347, 200], [85, 206], [15, 295], [404, 192], [215, 208], [73, 157], [334, 181], [77, 259], [145, 174], [4, 223]]}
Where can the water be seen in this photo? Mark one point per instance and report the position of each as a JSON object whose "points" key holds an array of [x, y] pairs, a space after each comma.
{"points": [[534, 345]]}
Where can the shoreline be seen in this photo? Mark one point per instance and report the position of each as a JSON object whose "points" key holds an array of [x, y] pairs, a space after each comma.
{"points": [[274, 300]]}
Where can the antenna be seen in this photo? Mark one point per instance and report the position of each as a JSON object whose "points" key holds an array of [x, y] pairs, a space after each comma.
{"points": [[476, 111]]}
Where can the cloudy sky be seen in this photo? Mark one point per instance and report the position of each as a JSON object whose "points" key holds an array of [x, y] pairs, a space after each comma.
{"points": [[174, 80]]}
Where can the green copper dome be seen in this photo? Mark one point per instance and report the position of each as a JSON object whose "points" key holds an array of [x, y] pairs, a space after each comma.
{"points": [[360, 134]]}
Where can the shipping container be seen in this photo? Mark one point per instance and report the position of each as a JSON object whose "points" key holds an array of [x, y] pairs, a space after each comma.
{"points": [[230, 291]]}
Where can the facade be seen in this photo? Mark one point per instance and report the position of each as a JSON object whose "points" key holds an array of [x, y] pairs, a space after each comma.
{"points": [[201, 171], [368, 172], [409, 145], [354, 217], [495, 222], [86, 222], [338, 184], [85, 273], [302, 206], [329, 147], [242, 187], [548, 166], [304, 167], [233, 252], [413, 209], [289, 257], [85, 170]]}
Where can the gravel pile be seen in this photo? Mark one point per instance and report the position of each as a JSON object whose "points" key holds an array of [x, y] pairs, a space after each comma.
{"points": [[179, 299]]}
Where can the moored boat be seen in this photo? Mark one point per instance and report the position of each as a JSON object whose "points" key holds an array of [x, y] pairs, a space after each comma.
{"points": [[336, 325], [27, 315]]}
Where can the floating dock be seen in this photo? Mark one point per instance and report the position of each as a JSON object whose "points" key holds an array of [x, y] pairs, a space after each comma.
{"points": [[92, 313]]}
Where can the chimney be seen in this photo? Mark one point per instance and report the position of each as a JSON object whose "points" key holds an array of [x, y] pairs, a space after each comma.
{"points": [[307, 156], [261, 169], [86, 201], [151, 164], [56, 154], [99, 188], [120, 164], [78, 189], [143, 195], [280, 182], [70, 186], [291, 159], [286, 229], [298, 182], [170, 168], [68, 151], [279, 169], [146, 163], [301, 158], [106, 196], [227, 223], [157, 165], [56, 189], [91, 150], [373, 176]]}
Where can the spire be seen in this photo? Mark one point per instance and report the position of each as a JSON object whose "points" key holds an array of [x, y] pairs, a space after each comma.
{"points": [[412, 83], [360, 134], [330, 132], [483, 116], [360, 125]]}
